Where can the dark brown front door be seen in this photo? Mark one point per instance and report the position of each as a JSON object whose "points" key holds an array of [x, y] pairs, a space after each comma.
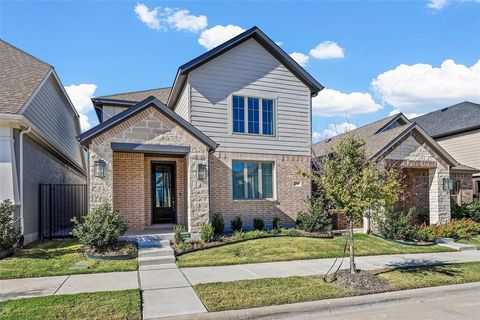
{"points": [[163, 193]]}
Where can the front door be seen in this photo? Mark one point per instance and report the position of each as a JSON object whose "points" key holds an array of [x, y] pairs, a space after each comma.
{"points": [[163, 193]]}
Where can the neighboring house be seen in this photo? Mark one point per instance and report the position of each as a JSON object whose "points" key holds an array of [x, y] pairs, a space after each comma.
{"points": [[457, 130], [426, 167], [231, 136], [38, 130]]}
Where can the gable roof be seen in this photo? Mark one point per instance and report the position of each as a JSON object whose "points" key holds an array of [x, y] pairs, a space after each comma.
{"points": [[460, 117], [20, 75], [264, 41], [378, 139], [142, 105], [136, 96]]}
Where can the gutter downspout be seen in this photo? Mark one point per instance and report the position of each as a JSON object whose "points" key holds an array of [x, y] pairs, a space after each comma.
{"points": [[22, 220]]}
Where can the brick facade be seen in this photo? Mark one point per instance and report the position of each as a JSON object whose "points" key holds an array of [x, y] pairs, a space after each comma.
{"points": [[127, 176], [289, 199], [465, 192]]}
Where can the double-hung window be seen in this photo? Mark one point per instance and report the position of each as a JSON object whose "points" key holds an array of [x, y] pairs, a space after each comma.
{"points": [[253, 115], [252, 180]]}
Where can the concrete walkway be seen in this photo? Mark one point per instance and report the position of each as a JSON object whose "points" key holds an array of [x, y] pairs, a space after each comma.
{"points": [[321, 266]]}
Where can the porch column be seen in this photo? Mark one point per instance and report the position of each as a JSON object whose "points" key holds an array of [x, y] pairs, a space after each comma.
{"points": [[439, 198], [198, 201]]}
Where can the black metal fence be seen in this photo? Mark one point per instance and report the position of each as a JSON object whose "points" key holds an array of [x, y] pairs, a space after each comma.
{"points": [[59, 203]]}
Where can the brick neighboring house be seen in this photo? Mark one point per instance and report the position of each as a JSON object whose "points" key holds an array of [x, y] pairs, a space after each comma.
{"points": [[457, 129], [38, 130], [426, 167], [230, 137]]}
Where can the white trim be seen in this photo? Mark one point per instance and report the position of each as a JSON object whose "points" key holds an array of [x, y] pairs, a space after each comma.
{"points": [[22, 219]]}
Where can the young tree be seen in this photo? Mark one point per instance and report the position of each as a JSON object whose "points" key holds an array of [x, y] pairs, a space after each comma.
{"points": [[354, 184]]}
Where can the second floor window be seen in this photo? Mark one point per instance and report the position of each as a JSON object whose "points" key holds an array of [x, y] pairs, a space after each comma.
{"points": [[253, 115]]}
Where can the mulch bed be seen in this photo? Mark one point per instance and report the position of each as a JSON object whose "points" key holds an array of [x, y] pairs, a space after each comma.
{"points": [[123, 251], [363, 282]]}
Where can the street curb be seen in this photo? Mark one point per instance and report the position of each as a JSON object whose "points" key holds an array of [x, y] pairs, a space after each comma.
{"points": [[329, 306]]}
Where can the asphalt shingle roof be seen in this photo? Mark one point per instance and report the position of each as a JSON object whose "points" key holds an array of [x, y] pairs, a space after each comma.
{"points": [[457, 118], [137, 96], [20, 75], [373, 142]]}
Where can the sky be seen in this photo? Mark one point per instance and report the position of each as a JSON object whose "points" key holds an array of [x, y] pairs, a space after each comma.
{"points": [[374, 58]]}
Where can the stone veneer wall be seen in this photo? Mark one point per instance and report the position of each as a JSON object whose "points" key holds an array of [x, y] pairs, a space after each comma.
{"points": [[147, 127], [289, 200], [413, 152]]}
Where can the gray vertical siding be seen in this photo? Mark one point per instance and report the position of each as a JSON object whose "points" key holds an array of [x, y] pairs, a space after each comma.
{"points": [[250, 69], [51, 113], [40, 166], [182, 105]]}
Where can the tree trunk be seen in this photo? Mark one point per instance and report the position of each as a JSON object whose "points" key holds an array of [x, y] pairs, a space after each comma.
{"points": [[353, 268]]}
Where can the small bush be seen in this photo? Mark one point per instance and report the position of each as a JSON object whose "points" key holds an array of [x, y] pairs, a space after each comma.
{"points": [[9, 232], [254, 234], [236, 224], [398, 225], [206, 232], [292, 232], [100, 229], [258, 224], [218, 224], [466, 211], [315, 218], [457, 229], [277, 224], [177, 234]]}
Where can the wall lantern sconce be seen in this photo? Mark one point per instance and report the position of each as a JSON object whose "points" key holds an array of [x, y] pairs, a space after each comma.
{"points": [[447, 184], [202, 171], [99, 168]]}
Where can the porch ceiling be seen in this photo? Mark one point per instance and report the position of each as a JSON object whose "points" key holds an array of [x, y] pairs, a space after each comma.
{"points": [[150, 148]]}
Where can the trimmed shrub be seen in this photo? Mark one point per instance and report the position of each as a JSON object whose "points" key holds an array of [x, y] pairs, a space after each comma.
{"points": [[177, 233], [315, 218], [218, 224], [277, 224], [258, 224], [466, 211], [398, 225], [457, 229], [100, 229], [9, 232], [254, 234], [206, 232], [236, 224]]}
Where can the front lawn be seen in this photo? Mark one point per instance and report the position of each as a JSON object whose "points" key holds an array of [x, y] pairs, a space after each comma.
{"points": [[274, 291], [57, 257], [475, 241], [295, 248], [101, 305]]}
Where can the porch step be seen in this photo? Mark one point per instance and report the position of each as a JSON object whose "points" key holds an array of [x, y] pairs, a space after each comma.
{"points": [[149, 261], [155, 252], [153, 243]]}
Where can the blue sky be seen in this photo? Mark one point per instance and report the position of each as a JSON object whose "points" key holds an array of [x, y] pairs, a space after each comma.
{"points": [[373, 57]]}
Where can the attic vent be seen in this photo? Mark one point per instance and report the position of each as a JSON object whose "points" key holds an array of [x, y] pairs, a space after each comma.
{"points": [[444, 109], [329, 139]]}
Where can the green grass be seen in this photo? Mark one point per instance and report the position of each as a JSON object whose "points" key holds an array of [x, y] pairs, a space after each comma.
{"points": [[401, 279], [265, 292], [262, 292], [475, 241], [100, 305], [57, 257], [295, 248]]}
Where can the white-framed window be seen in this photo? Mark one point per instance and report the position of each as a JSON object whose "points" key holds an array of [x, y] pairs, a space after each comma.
{"points": [[253, 115], [252, 180]]}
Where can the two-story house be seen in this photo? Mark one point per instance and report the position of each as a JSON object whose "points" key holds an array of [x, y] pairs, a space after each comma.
{"points": [[38, 130], [231, 136]]}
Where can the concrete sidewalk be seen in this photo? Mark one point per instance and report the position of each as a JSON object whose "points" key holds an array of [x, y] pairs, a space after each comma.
{"points": [[320, 266]]}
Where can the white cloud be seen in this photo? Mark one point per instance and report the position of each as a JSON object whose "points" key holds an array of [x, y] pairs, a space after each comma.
{"points": [[162, 19], [327, 50], [183, 20], [440, 4], [149, 17], [80, 96], [408, 115], [301, 58], [332, 130], [421, 88], [330, 102], [218, 34]]}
